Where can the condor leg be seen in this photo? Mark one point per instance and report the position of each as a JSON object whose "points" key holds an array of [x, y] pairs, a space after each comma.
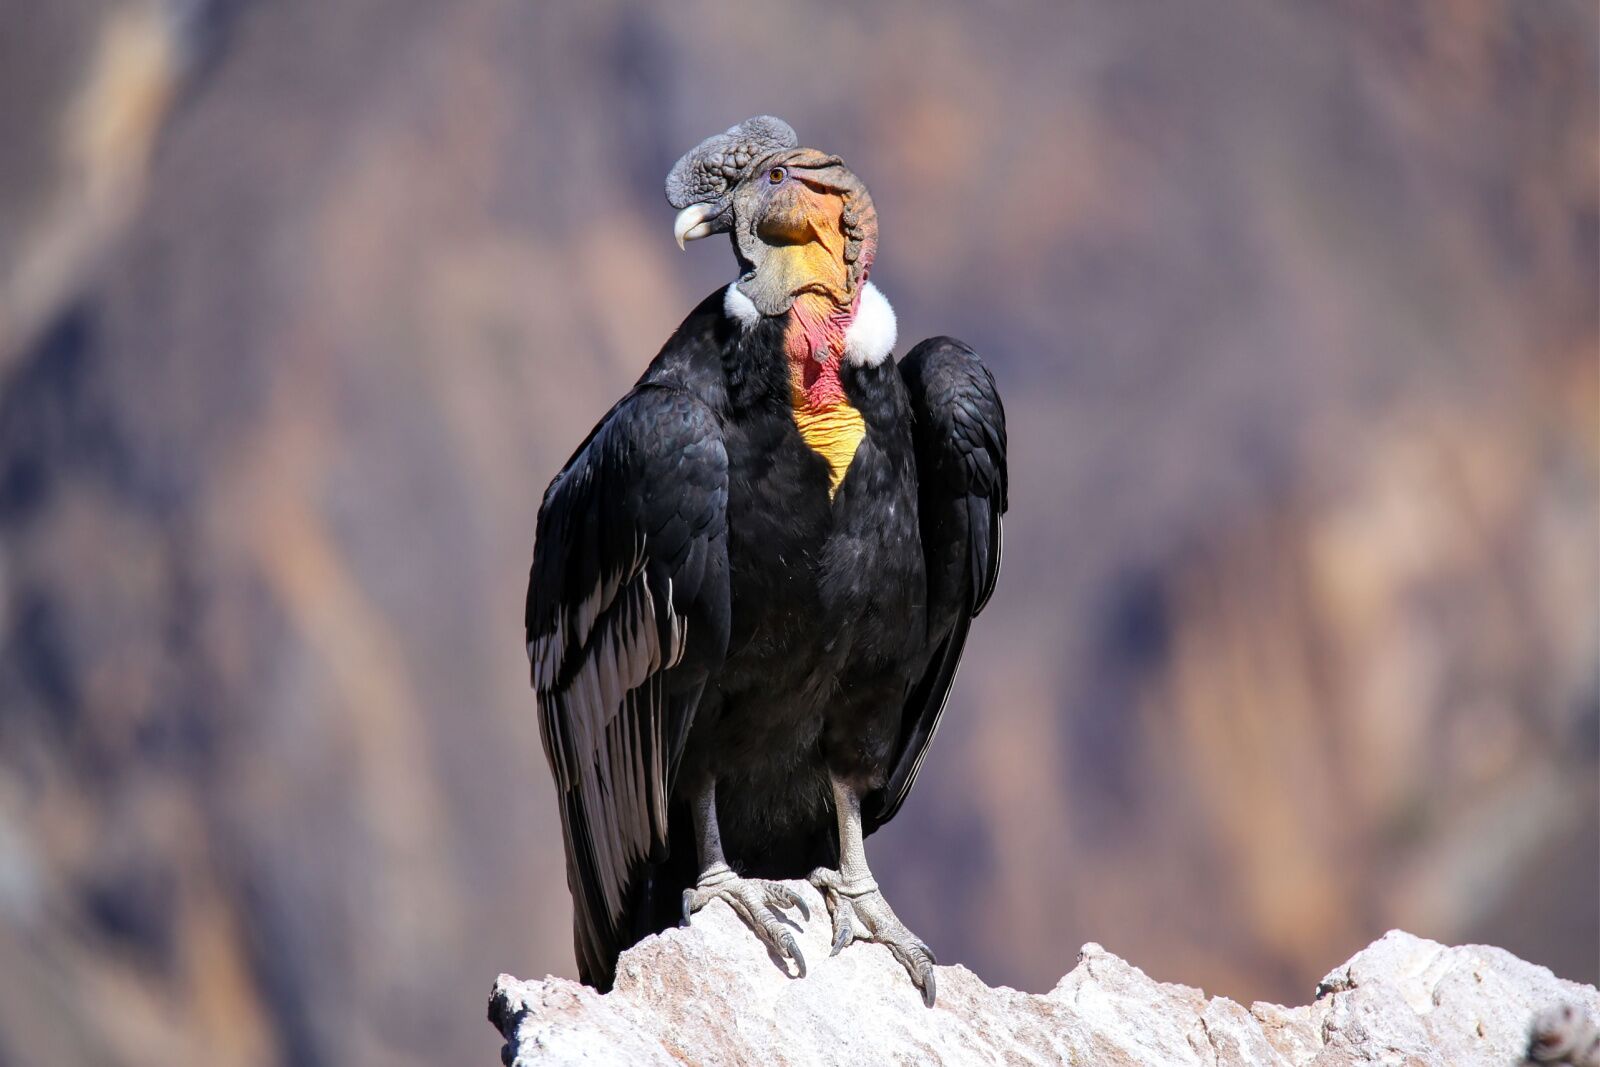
{"points": [[755, 900], [857, 906]]}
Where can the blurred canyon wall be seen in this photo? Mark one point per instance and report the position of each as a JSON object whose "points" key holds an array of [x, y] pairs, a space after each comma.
{"points": [[1294, 309]]}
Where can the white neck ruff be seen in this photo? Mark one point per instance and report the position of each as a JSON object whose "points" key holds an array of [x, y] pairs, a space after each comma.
{"points": [[868, 340], [871, 335]]}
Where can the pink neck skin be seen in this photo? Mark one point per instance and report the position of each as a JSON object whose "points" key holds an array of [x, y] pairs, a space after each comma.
{"points": [[814, 342], [815, 345]]}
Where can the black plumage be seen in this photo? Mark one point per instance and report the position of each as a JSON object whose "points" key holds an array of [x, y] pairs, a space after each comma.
{"points": [[703, 613], [810, 630]]}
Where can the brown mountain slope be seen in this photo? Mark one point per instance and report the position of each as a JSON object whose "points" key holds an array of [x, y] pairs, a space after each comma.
{"points": [[1295, 315]]}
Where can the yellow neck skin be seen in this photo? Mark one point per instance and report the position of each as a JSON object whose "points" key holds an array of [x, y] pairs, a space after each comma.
{"points": [[833, 433], [829, 424]]}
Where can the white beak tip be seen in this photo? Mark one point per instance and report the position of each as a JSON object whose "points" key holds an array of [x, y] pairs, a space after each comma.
{"points": [[693, 223]]}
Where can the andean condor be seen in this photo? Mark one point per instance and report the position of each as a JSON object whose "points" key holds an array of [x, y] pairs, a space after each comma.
{"points": [[752, 583]]}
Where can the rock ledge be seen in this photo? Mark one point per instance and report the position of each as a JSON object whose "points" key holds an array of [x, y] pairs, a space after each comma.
{"points": [[711, 995]]}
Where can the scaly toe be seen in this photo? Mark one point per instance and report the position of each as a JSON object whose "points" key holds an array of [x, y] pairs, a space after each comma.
{"points": [[781, 896], [866, 916], [824, 879], [759, 904], [914, 956]]}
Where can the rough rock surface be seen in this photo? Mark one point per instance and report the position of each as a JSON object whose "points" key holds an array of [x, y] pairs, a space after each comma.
{"points": [[710, 995]]}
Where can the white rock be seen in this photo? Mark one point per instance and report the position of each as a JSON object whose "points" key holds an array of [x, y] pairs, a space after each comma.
{"points": [[711, 995]]}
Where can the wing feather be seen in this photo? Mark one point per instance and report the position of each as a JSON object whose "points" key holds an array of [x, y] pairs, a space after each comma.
{"points": [[959, 434], [630, 560]]}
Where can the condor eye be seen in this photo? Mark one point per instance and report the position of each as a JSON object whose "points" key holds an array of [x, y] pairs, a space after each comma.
{"points": [[776, 175]]}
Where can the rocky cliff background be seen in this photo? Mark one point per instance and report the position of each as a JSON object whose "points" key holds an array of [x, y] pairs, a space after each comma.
{"points": [[302, 304]]}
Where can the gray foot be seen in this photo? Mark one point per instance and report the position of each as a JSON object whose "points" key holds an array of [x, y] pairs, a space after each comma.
{"points": [[861, 914], [756, 901]]}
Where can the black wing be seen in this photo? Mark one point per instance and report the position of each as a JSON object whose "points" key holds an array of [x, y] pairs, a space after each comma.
{"points": [[959, 433], [627, 613]]}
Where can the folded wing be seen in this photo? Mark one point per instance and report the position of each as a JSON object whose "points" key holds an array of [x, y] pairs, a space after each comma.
{"points": [[959, 433], [627, 614]]}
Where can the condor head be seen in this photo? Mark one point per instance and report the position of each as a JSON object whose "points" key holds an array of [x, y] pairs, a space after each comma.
{"points": [[800, 220]]}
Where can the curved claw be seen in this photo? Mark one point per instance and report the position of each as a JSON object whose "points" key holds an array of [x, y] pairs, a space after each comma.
{"points": [[791, 948], [926, 981], [842, 935], [688, 906]]}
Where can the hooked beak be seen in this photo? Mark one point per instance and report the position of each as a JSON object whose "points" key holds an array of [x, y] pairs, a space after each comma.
{"points": [[694, 222]]}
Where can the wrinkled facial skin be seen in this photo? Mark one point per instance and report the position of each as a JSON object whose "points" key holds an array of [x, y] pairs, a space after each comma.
{"points": [[801, 222], [788, 232]]}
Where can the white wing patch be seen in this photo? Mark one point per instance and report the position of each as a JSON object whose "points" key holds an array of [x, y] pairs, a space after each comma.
{"points": [[599, 717]]}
